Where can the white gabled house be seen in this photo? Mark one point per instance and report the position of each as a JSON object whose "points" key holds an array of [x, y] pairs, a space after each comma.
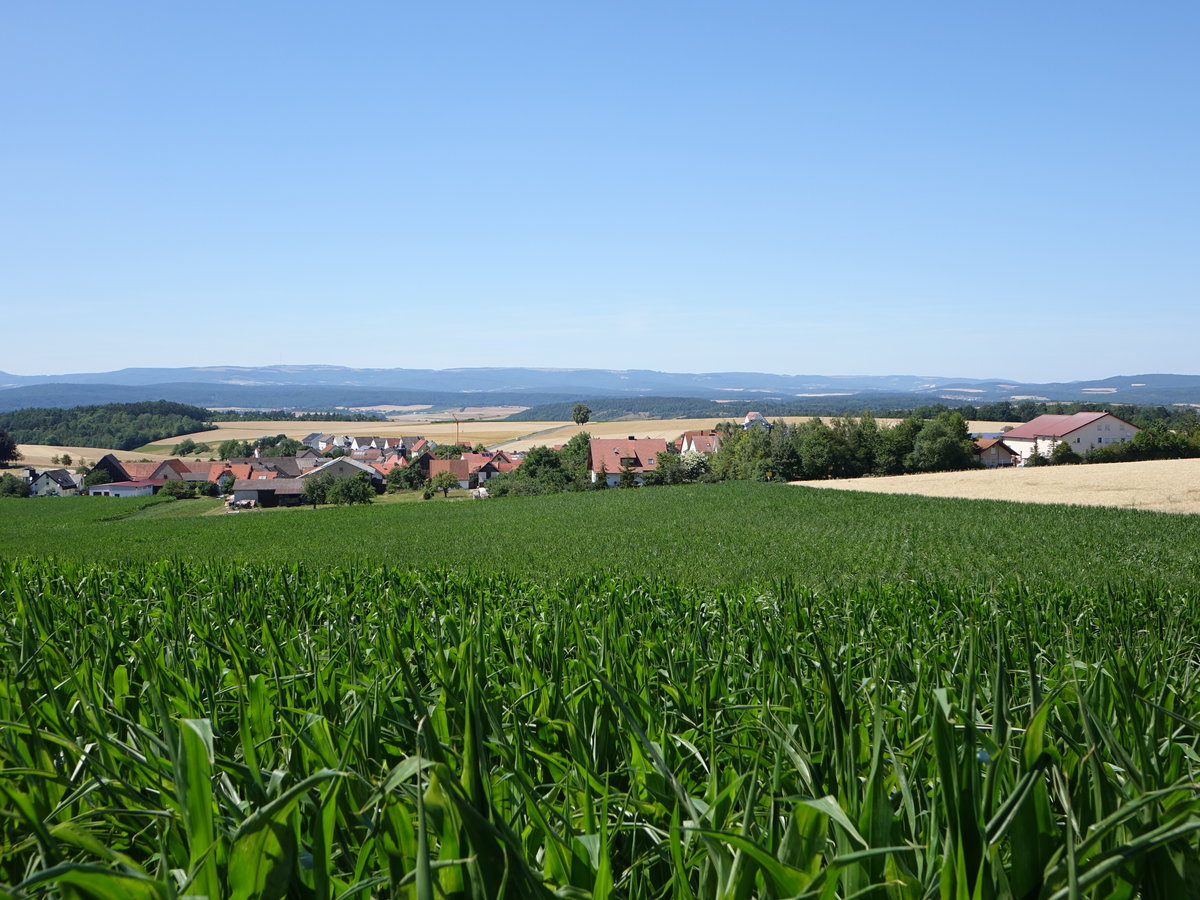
{"points": [[55, 483], [1081, 432]]}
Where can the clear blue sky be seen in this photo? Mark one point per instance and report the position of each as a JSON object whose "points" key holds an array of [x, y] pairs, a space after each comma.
{"points": [[983, 190]]}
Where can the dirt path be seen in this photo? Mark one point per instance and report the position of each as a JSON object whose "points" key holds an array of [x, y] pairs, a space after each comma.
{"points": [[1171, 485]]}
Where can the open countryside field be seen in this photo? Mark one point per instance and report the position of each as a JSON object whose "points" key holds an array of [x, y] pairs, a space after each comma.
{"points": [[711, 691], [495, 434], [485, 432], [1163, 485], [38, 455], [666, 429], [732, 534]]}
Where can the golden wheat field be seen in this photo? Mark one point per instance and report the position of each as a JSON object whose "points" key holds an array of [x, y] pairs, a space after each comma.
{"points": [[489, 432], [39, 455], [1171, 485]]}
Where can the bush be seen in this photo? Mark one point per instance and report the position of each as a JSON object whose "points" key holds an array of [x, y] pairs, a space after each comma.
{"points": [[11, 486]]}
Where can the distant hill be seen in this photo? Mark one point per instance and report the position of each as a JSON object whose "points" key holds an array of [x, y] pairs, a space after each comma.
{"points": [[320, 387]]}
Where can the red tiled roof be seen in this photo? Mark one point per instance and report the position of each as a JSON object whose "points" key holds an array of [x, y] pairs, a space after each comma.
{"points": [[705, 441], [983, 444], [460, 468], [139, 471], [217, 471], [641, 455], [1054, 426]]}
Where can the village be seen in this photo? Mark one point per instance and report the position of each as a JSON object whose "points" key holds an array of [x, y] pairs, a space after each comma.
{"points": [[264, 481]]}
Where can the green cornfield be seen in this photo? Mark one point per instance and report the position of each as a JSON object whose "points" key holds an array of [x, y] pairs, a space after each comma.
{"points": [[204, 728]]}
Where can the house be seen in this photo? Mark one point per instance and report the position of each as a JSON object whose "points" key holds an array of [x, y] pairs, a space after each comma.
{"points": [[134, 488], [609, 457], [473, 469], [269, 492], [993, 453], [756, 420], [460, 468], [55, 483], [699, 441], [1081, 432], [343, 467]]}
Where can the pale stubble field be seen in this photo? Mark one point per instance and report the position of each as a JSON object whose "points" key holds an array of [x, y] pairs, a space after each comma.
{"points": [[1171, 485]]}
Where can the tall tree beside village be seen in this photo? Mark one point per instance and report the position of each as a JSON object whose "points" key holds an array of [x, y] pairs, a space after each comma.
{"points": [[581, 414], [8, 448]]}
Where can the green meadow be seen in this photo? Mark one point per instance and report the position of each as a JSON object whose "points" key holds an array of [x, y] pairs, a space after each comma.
{"points": [[726, 691]]}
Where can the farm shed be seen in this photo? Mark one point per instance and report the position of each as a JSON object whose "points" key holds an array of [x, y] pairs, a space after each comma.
{"points": [[143, 488], [269, 492]]}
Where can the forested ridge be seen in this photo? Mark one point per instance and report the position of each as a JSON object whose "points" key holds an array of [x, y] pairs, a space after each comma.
{"points": [[117, 426]]}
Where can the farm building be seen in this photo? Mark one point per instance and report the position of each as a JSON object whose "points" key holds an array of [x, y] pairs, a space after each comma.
{"points": [[993, 453], [268, 492], [1082, 432], [137, 488], [609, 457]]}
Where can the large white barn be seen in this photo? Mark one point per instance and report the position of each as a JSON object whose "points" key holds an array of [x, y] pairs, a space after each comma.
{"points": [[1081, 432]]}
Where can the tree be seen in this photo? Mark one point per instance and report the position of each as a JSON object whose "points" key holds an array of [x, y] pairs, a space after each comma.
{"points": [[317, 488], [405, 478], [628, 477], [287, 447], [1063, 455], [12, 486], [185, 447], [450, 451], [66, 459], [581, 414], [356, 489], [8, 448], [444, 482], [177, 490], [943, 444], [96, 476]]}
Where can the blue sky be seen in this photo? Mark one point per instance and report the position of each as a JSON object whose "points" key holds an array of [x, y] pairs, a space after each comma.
{"points": [[1007, 190]]}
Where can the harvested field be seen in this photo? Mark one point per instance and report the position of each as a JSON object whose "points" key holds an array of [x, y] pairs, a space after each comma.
{"points": [[1171, 485], [507, 435], [488, 433], [554, 433], [38, 455]]}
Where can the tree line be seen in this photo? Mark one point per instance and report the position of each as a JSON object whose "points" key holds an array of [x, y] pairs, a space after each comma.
{"points": [[116, 426]]}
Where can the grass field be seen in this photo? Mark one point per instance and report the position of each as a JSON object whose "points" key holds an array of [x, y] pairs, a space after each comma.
{"points": [[714, 692], [1171, 485]]}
